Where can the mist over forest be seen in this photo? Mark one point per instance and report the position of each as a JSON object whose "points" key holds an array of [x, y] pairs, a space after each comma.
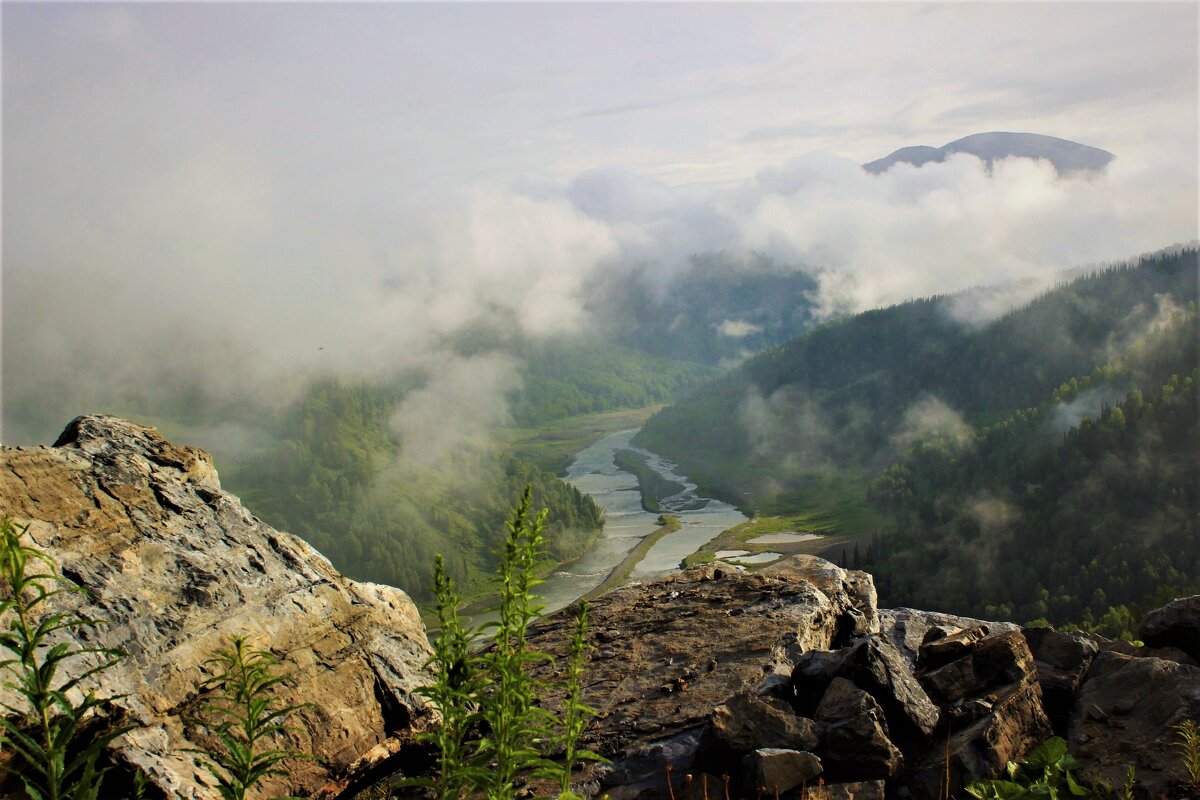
{"points": [[364, 254], [175, 232]]}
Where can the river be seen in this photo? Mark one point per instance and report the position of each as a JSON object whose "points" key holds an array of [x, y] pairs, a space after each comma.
{"points": [[626, 523]]}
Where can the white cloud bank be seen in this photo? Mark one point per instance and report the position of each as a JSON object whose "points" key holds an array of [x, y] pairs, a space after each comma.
{"points": [[210, 268], [238, 196]]}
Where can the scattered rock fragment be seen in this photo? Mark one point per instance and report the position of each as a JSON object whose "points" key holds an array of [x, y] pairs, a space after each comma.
{"points": [[745, 723], [776, 769]]}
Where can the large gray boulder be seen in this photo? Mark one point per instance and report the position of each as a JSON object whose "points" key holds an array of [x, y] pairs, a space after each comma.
{"points": [[177, 566], [1177, 624], [873, 665], [855, 744], [861, 615]]}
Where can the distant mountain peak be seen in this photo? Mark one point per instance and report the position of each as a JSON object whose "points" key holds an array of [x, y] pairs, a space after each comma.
{"points": [[1067, 157]]}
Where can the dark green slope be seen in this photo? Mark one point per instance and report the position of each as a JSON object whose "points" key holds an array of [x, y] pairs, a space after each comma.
{"points": [[337, 474], [1076, 530], [1041, 467], [841, 399], [574, 376], [339, 478]]}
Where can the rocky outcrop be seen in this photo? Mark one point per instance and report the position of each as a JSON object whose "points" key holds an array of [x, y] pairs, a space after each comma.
{"points": [[852, 589], [1177, 624], [1123, 716], [710, 678], [908, 628], [669, 654], [991, 704], [177, 566], [764, 677], [1062, 661], [719, 672]]}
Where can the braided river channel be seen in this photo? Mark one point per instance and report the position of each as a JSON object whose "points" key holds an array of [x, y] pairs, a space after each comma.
{"points": [[627, 523]]}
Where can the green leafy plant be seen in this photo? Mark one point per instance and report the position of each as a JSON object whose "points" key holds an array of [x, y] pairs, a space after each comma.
{"points": [[455, 692], [494, 729], [43, 730], [244, 716], [575, 714], [1188, 744], [1045, 773], [515, 725]]}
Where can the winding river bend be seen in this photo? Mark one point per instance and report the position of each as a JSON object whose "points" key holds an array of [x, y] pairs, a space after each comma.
{"points": [[593, 472]]}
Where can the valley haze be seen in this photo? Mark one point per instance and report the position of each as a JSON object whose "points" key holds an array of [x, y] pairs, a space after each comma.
{"points": [[216, 203]]}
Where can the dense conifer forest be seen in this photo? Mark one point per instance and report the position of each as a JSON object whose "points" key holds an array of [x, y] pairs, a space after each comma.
{"points": [[1085, 527]]}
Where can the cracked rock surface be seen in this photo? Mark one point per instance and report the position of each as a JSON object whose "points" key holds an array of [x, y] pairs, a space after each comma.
{"points": [[668, 653], [177, 566]]}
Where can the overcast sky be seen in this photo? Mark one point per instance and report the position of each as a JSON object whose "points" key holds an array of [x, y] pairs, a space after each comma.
{"points": [[228, 188]]}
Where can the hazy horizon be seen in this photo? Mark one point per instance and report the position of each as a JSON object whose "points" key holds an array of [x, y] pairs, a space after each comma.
{"points": [[250, 194]]}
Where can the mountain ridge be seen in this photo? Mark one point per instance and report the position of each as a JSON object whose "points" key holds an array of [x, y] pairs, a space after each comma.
{"points": [[1067, 156]]}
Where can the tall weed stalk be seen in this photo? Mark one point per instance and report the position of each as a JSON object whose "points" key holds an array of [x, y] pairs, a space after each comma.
{"points": [[514, 725], [1188, 744], [575, 714], [42, 730], [494, 730], [243, 717], [455, 693]]}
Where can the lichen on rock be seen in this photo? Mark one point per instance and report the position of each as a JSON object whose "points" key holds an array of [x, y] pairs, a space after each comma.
{"points": [[176, 566]]}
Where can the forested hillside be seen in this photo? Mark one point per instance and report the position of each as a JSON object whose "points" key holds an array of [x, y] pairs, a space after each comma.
{"points": [[716, 308], [338, 474], [1069, 511], [1042, 466], [849, 396], [585, 375], [339, 478]]}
